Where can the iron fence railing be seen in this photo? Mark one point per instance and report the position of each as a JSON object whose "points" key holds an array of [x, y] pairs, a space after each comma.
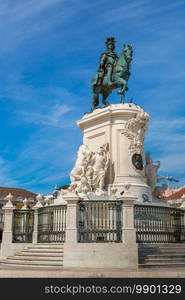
{"points": [[23, 222], [52, 224], [1, 218], [158, 224], [100, 221]]}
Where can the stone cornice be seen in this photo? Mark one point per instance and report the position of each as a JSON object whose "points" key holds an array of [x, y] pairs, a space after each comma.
{"points": [[110, 111]]}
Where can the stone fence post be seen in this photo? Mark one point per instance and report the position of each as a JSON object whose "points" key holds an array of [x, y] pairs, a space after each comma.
{"points": [[35, 228], [39, 199], [72, 217], [128, 230], [8, 224]]}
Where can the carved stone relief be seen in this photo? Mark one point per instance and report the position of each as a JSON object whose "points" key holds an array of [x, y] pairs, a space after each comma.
{"points": [[90, 169], [134, 130]]}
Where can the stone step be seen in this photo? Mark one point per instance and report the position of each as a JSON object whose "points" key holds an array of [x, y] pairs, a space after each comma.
{"points": [[145, 252], [146, 245], [157, 249], [162, 255], [170, 256], [36, 263], [46, 247], [160, 244], [35, 258], [42, 251], [170, 246], [39, 254], [168, 251], [48, 255], [48, 244], [162, 250], [30, 267], [164, 260], [162, 265]]}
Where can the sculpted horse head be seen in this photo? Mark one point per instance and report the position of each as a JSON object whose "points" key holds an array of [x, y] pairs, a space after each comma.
{"points": [[123, 65], [126, 55]]}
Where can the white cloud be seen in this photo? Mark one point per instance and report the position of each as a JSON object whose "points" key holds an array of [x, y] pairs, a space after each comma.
{"points": [[53, 117], [166, 141], [46, 158], [125, 11], [27, 9], [23, 20], [173, 163], [5, 174], [138, 10]]}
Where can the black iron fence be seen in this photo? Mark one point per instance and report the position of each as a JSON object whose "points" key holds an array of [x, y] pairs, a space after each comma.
{"points": [[51, 224], [157, 224], [100, 221], [23, 222], [1, 218]]}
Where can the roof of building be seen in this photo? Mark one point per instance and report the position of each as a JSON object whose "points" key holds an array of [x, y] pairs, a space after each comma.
{"points": [[4, 191], [176, 195], [169, 192]]}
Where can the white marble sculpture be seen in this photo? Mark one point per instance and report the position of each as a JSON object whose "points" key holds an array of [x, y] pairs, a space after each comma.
{"points": [[48, 200], [59, 199], [83, 157], [159, 191], [151, 175], [99, 168], [88, 174], [79, 180], [134, 130]]}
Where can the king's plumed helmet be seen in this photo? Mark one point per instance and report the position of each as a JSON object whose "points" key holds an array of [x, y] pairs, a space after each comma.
{"points": [[110, 40]]}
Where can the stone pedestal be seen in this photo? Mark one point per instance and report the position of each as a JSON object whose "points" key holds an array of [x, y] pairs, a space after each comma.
{"points": [[123, 127]]}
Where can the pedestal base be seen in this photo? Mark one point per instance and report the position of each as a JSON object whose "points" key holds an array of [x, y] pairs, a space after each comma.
{"points": [[141, 191], [97, 255]]}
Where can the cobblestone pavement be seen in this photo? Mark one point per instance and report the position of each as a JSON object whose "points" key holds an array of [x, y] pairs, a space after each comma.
{"points": [[93, 273]]}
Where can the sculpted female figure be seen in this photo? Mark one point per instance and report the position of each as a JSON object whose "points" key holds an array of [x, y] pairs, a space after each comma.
{"points": [[82, 159], [100, 168], [151, 172]]}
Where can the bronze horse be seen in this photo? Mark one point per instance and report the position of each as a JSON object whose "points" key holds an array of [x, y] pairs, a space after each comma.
{"points": [[120, 76]]}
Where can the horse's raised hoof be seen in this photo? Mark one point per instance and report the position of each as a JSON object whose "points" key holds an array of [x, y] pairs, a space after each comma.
{"points": [[106, 104], [89, 112], [96, 107]]}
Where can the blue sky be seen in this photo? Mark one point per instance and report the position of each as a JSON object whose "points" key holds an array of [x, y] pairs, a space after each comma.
{"points": [[49, 52]]}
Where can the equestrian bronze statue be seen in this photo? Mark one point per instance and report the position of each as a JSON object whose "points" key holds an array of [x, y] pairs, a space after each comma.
{"points": [[113, 73]]}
